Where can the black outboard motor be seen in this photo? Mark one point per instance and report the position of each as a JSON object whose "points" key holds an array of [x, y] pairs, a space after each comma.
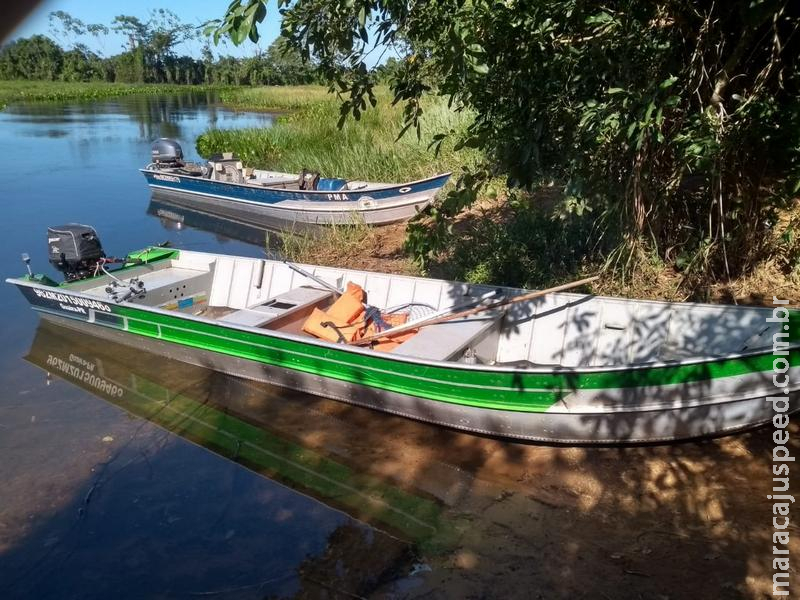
{"points": [[74, 250], [166, 152]]}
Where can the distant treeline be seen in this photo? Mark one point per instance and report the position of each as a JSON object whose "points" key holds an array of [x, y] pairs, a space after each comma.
{"points": [[40, 58], [149, 56]]}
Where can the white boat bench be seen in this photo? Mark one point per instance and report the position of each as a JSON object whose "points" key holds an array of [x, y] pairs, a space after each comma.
{"points": [[281, 308], [444, 341]]}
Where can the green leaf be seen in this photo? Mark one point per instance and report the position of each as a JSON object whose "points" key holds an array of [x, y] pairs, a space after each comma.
{"points": [[667, 83], [599, 18], [649, 112]]}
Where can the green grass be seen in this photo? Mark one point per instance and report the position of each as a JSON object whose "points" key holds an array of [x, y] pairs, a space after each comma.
{"points": [[42, 91], [274, 98], [308, 136], [304, 247]]}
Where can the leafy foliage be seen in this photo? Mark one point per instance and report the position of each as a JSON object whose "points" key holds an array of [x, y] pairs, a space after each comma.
{"points": [[37, 57], [675, 123]]}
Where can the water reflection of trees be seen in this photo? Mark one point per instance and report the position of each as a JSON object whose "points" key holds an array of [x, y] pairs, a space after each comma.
{"points": [[155, 115]]}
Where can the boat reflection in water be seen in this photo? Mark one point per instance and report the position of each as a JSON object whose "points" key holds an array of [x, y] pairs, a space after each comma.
{"points": [[173, 216], [301, 441]]}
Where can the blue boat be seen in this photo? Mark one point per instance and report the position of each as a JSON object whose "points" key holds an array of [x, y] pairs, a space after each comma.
{"points": [[275, 200]]}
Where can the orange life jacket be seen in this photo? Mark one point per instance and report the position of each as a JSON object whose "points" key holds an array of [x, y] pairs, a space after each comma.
{"points": [[344, 319], [349, 306], [320, 324]]}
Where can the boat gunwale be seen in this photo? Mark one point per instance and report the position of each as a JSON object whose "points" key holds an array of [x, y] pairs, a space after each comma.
{"points": [[539, 370], [386, 186]]}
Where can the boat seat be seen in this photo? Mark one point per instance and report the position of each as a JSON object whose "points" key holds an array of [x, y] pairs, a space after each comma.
{"points": [[444, 341], [280, 307]]}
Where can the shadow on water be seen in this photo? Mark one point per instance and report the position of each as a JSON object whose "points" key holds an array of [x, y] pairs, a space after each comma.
{"points": [[488, 517]]}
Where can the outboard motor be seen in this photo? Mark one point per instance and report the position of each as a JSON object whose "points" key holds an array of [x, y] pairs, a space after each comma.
{"points": [[74, 250], [167, 152]]}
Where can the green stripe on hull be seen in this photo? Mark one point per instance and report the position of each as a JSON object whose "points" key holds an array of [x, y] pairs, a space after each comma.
{"points": [[517, 391]]}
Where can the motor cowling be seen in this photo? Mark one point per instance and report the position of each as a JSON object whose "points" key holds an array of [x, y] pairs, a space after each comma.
{"points": [[166, 151], [74, 250]]}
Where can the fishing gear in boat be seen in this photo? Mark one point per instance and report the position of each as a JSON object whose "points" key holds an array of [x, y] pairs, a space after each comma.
{"points": [[308, 180], [371, 312], [122, 291], [350, 317], [119, 290], [455, 312], [312, 277]]}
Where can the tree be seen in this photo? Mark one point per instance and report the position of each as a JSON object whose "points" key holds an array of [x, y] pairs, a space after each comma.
{"points": [[64, 25], [152, 42], [387, 71], [286, 64], [36, 57], [81, 64], [677, 122]]}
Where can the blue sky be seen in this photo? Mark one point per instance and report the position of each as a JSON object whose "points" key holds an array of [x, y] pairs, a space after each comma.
{"points": [[103, 11]]}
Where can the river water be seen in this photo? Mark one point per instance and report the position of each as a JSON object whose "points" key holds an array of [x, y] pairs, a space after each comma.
{"points": [[129, 475]]}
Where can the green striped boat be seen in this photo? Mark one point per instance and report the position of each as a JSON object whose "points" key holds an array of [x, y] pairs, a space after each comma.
{"points": [[564, 368]]}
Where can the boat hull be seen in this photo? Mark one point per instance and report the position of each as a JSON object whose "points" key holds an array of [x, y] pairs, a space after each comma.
{"points": [[555, 405], [629, 426], [274, 208]]}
